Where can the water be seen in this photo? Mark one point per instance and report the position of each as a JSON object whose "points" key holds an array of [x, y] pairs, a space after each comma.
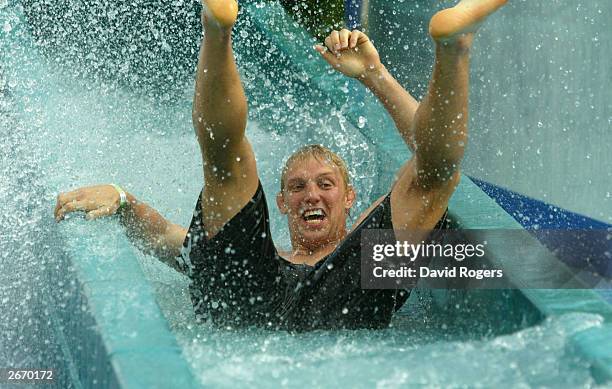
{"points": [[540, 113], [63, 130], [421, 354], [418, 351], [534, 357]]}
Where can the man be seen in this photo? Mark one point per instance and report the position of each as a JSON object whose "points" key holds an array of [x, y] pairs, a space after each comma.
{"points": [[238, 277]]}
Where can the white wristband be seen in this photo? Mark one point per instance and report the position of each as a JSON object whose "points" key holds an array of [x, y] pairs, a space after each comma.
{"points": [[122, 196]]}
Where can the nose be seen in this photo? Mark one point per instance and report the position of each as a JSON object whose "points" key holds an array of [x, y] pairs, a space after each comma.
{"points": [[313, 194]]}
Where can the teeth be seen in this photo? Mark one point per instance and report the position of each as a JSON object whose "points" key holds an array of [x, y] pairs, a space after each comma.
{"points": [[313, 212]]}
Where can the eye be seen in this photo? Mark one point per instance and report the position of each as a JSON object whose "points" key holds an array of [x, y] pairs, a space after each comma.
{"points": [[326, 184], [296, 187]]}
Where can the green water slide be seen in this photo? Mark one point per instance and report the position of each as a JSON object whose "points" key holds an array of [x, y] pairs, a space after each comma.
{"points": [[114, 341]]}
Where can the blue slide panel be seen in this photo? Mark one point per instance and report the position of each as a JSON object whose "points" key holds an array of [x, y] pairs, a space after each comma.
{"points": [[582, 251], [352, 13]]}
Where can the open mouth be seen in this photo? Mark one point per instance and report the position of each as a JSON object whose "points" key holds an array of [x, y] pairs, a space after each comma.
{"points": [[313, 216]]}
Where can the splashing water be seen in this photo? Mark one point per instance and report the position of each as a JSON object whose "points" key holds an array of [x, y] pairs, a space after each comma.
{"points": [[116, 112], [534, 357]]}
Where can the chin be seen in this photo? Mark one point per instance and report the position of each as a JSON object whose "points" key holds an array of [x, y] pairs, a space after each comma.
{"points": [[314, 237]]}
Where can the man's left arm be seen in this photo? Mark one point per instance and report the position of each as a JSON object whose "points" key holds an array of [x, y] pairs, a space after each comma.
{"points": [[418, 198], [353, 54]]}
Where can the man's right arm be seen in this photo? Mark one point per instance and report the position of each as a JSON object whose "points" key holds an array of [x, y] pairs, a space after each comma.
{"points": [[151, 232], [145, 227]]}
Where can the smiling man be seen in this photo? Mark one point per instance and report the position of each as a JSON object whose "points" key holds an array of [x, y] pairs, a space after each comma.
{"points": [[316, 196], [238, 277]]}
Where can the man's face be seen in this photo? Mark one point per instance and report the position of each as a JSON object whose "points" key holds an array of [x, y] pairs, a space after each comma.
{"points": [[316, 202]]}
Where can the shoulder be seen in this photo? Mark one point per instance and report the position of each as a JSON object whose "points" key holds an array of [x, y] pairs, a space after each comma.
{"points": [[284, 255], [368, 211]]}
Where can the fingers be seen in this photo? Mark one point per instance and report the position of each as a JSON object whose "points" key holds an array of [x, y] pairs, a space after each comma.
{"points": [[92, 199], [58, 206], [100, 212], [326, 54], [344, 39], [333, 42], [62, 208], [354, 38], [91, 214], [338, 40], [64, 204]]}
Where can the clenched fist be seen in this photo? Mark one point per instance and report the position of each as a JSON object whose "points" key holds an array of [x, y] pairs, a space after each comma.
{"points": [[351, 53]]}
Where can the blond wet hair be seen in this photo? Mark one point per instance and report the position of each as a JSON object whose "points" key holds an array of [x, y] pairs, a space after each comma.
{"points": [[321, 154]]}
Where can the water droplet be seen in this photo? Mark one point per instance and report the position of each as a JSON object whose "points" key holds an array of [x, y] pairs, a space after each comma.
{"points": [[361, 122], [288, 99]]}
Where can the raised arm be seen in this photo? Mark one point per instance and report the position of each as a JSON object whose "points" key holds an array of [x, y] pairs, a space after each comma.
{"points": [[145, 227], [437, 128], [424, 184], [353, 54], [437, 149]]}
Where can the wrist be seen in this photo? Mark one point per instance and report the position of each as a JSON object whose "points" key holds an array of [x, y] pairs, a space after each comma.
{"points": [[123, 198], [126, 212], [373, 75]]}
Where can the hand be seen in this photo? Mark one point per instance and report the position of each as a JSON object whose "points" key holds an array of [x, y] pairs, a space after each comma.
{"points": [[95, 201], [350, 53]]}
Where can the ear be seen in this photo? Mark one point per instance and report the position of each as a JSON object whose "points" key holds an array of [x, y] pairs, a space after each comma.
{"points": [[280, 203], [349, 198]]}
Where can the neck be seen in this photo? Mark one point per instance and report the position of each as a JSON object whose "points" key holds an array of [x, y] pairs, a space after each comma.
{"points": [[302, 253]]}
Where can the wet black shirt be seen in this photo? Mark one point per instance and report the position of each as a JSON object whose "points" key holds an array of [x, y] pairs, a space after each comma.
{"points": [[239, 279]]}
